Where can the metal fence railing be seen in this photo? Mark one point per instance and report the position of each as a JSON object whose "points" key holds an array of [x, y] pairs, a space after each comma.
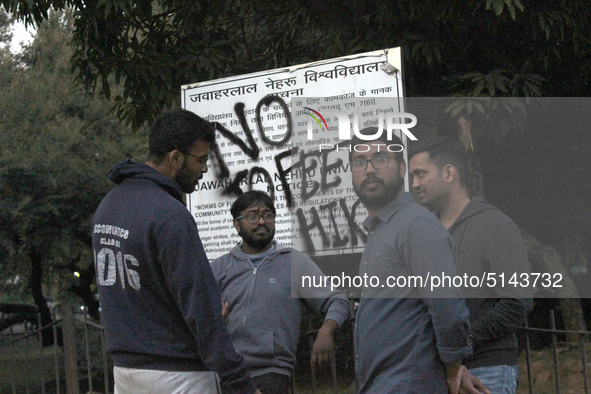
{"points": [[77, 362], [580, 341], [25, 360]]}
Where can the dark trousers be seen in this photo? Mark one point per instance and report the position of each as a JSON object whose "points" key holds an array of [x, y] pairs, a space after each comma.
{"points": [[273, 383]]}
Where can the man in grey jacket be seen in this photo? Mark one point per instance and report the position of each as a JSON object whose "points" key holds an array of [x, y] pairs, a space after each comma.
{"points": [[263, 301], [486, 241]]}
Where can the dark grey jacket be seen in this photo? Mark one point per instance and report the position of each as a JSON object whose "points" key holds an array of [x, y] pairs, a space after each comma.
{"points": [[488, 241], [266, 305]]}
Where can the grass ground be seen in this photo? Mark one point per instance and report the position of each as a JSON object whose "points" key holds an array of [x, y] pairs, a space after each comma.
{"points": [[22, 372], [571, 376], [14, 368], [570, 363]]}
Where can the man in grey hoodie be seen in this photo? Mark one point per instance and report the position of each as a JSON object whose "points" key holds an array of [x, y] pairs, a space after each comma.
{"points": [[485, 241], [263, 301]]}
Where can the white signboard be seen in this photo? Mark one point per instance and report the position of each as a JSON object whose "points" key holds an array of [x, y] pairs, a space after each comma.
{"points": [[268, 135]]}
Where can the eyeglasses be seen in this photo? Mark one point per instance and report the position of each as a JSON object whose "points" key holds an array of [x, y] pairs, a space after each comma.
{"points": [[379, 163], [253, 218], [201, 160]]}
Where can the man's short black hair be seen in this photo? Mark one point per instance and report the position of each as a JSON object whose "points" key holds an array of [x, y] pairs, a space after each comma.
{"points": [[383, 138], [443, 151], [248, 199], [178, 129]]}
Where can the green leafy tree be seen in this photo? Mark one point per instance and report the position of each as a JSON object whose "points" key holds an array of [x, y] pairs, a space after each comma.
{"points": [[6, 59], [492, 48], [5, 34], [56, 147]]}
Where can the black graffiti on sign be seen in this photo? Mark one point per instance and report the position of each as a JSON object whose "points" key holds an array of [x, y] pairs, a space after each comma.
{"points": [[284, 172], [319, 159], [326, 168], [316, 223], [353, 227], [234, 187], [307, 172], [253, 150], [308, 163], [338, 241], [305, 229]]}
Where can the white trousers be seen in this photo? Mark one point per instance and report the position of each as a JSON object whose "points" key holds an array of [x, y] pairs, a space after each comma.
{"points": [[146, 381]]}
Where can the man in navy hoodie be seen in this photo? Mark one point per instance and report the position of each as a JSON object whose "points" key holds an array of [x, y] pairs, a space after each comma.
{"points": [[486, 241], [161, 306]]}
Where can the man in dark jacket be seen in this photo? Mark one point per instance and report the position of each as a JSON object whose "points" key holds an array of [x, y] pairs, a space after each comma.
{"points": [[161, 305], [486, 241]]}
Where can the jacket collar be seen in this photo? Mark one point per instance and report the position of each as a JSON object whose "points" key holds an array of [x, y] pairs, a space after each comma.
{"points": [[386, 213], [237, 252]]}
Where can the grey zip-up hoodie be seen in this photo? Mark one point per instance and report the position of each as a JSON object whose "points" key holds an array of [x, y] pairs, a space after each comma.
{"points": [[488, 241], [266, 305]]}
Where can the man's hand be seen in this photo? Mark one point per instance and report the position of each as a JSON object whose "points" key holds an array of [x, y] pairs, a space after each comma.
{"points": [[226, 311], [470, 384], [452, 377], [323, 349]]}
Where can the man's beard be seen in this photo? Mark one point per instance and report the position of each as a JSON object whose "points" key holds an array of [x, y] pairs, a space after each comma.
{"points": [[183, 179], [378, 201], [258, 243]]}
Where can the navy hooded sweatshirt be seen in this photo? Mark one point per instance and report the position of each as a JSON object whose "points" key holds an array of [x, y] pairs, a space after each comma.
{"points": [[160, 301]]}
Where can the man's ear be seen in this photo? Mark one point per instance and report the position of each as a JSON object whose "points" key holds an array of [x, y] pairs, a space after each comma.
{"points": [[449, 173], [237, 225], [175, 159]]}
